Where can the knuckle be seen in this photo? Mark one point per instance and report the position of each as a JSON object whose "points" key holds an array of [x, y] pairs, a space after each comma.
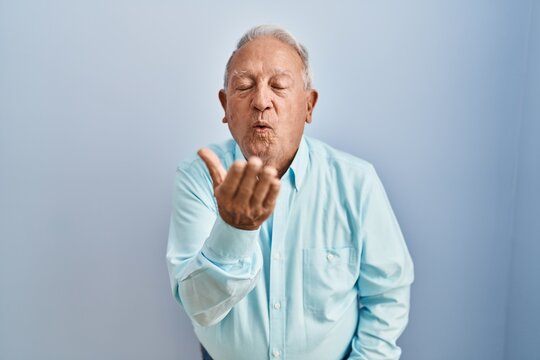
{"points": [[256, 201], [246, 189], [258, 196], [243, 210], [243, 191], [260, 211], [269, 203]]}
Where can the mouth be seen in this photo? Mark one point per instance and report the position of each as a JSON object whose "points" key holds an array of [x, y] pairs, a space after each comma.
{"points": [[261, 127]]}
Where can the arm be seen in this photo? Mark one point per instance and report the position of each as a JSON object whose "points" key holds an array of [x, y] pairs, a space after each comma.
{"points": [[212, 264], [386, 273]]}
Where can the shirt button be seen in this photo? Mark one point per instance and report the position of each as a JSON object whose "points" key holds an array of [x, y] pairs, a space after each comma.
{"points": [[277, 256], [329, 257], [277, 306], [276, 353]]}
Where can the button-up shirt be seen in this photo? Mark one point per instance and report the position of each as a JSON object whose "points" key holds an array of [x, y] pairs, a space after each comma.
{"points": [[327, 276]]}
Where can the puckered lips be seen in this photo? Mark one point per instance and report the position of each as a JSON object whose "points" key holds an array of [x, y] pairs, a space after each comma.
{"points": [[261, 126]]}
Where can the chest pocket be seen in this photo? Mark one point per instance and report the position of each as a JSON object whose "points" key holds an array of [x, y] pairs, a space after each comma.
{"points": [[330, 276]]}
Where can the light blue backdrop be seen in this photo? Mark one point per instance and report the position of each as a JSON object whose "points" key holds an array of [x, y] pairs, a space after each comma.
{"points": [[523, 329], [99, 100]]}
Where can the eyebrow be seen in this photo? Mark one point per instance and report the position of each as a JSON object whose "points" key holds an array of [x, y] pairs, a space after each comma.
{"points": [[247, 73]]}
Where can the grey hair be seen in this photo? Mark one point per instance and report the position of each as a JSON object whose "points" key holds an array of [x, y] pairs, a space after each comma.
{"points": [[279, 34]]}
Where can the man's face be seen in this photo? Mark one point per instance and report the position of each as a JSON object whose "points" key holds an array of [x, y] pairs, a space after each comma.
{"points": [[266, 104]]}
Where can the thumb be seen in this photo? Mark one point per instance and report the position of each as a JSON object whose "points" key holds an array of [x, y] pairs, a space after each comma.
{"points": [[215, 168]]}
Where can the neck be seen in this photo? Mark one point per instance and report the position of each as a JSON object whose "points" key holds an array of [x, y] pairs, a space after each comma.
{"points": [[281, 170], [281, 159], [281, 164]]}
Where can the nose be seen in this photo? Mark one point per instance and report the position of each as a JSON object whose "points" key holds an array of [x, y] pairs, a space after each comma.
{"points": [[262, 99]]}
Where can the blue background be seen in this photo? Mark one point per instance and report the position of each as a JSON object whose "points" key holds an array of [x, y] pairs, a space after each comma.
{"points": [[99, 100]]}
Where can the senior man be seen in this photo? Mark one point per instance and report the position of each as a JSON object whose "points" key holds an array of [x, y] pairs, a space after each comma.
{"points": [[296, 252]]}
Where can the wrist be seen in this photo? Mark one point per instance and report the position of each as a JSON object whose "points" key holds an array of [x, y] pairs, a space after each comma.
{"points": [[228, 243]]}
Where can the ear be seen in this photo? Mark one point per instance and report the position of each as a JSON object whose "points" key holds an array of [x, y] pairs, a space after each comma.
{"points": [[311, 99], [222, 95]]}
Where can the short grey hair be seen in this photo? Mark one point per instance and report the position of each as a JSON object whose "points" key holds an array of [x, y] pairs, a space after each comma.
{"points": [[279, 34]]}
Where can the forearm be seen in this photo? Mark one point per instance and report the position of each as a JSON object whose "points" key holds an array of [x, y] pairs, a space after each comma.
{"points": [[223, 272]]}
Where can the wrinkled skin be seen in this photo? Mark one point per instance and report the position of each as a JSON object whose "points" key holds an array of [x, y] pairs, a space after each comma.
{"points": [[266, 106]]}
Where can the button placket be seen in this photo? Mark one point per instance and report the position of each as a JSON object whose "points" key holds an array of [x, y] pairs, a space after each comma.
{"points": [[277, 303]]}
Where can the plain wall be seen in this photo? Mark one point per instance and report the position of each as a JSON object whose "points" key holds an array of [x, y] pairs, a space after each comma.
{"points": [[99, 101], [523, 331]]}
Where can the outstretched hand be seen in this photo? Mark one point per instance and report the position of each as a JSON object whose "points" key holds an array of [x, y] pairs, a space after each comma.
{"points": [[246, 194]]}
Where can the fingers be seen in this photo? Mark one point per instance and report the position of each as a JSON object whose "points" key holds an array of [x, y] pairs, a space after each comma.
{"points": [[217, 171], [247, 193], [249, 180], [263, 186], [230, 185], [272, 195]]}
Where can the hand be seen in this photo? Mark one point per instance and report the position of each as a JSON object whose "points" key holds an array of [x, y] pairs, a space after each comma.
{"points": [[246, 195]]}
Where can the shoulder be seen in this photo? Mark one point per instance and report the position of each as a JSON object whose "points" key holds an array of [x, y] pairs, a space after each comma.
{"points": [[334, 160], [193, 179], [194, 166]]}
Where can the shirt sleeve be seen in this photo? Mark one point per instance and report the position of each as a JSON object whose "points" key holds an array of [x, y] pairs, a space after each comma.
{"points": [[211, 264], [386, 273]]}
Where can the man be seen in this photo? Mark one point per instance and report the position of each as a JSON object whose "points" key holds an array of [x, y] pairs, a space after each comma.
{"points": [[294, 253]]}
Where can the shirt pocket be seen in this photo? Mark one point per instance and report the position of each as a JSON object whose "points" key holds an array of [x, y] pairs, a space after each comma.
{"points": [[330, 276]]}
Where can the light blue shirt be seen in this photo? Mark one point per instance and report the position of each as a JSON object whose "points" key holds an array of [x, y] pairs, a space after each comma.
{"points": [[327, 274]]}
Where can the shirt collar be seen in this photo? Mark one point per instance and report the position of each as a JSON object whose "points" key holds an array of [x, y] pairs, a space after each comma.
{"points": [[299, 164], [298, 168]]}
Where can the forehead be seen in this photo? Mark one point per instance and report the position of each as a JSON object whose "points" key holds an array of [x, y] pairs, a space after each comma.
{"points": [[266, 55]]}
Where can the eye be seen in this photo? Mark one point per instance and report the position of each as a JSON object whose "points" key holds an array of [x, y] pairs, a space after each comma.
{"points": [[279, 86], [243, 86]]}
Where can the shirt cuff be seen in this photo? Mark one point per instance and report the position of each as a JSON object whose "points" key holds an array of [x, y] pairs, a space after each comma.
{"points": [[227, 244]]}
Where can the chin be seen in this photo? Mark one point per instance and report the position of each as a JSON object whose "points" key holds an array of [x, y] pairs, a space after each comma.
{"points": [[258, 147], [265, 145], [263, 152]]}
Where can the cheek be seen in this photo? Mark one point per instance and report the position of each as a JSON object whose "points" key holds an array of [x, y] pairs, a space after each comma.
{"points": [[237, 121], [296, 112], [237, 108]]}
